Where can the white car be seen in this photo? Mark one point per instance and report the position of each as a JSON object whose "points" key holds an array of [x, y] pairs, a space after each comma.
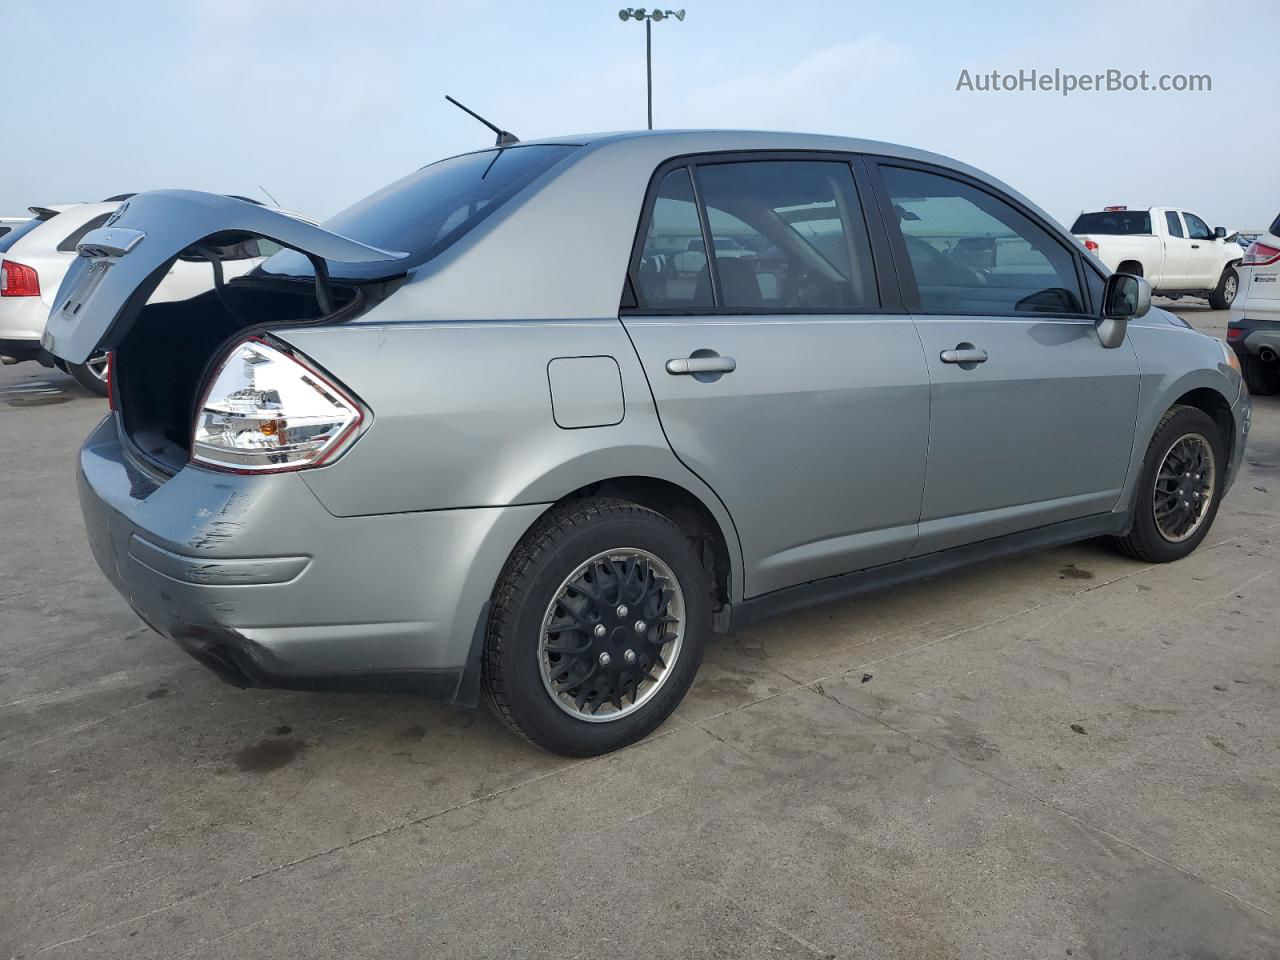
{"points": [[32, 268], [8, 224], [1254, 329], [1175, 250]]}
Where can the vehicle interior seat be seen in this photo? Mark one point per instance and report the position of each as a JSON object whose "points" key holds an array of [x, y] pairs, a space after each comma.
{"points": [[738, 285]]}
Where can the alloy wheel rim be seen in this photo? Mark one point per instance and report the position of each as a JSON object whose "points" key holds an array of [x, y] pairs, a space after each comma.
{"points": [[1229, 289], [611, 635], [97, 365], [1184, 487]]}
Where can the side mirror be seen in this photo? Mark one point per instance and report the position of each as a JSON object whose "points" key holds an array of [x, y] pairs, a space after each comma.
{"points": [[1124, 297], [1219, 233]]}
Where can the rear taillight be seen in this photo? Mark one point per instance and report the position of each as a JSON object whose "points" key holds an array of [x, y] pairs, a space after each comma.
{"points": [[1091, 246], [18, 280], [1235, 333], [267, 410], [1260, 254]]}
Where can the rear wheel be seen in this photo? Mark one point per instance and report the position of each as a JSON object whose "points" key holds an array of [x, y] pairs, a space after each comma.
{"points": [[1262, 378], [92, 374], [1228, 285], [1179, 489], [598, 627]]}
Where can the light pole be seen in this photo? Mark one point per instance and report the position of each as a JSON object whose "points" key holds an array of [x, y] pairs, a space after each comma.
{"points": [[650, 17]]}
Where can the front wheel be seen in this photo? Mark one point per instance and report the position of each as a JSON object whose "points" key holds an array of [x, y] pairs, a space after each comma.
{"points": [[92, 374], [1228, 286], [1179, 488], [598, 627]]}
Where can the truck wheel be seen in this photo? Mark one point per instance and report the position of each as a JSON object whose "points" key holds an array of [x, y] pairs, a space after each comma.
{"points": [[1220, 299], [1179, 488], [598, 626], [1262, 378]]}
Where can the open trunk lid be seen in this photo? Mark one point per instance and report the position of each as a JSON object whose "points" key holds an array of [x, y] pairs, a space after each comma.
{"points": [[120, 264]]}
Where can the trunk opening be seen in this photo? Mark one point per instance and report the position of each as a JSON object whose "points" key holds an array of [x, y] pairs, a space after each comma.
{"points": [[161, 366]]}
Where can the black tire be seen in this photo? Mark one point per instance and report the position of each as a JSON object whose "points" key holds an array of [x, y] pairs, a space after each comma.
{"points": [[1262, 378], [1144, 541], [567, 537], [1219, 298], [83, 375]]}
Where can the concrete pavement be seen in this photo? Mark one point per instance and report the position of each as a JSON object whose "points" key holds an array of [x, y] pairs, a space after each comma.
{"points": [[1067, 754]]}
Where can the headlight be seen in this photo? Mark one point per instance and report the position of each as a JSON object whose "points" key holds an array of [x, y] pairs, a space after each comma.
{"points": [[266, 410]]}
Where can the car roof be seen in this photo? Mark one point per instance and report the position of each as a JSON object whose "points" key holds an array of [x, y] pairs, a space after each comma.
{"points": [[711, 140], [674, 143]]}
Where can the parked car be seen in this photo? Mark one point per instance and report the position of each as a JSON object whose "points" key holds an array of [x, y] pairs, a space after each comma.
{"points": [[34, 265], [8, 224], [1173, 249], [422, 449], [1254, 329], [39, 216]]}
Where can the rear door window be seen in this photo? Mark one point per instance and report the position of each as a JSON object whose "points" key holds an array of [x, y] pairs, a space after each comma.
{"points": [[1175, 223], [672, 274], [973, 253], [787, 237]]}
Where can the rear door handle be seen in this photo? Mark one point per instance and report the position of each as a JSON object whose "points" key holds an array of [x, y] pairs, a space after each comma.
{"points": [[963, 355], [684, 366], [1195, 246]]}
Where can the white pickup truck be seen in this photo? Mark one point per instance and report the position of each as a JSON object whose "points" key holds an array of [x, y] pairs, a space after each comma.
{"points": [[1173, 249]]}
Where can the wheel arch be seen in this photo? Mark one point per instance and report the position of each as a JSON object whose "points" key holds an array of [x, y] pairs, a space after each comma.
{"points": [[1218, 407], [1120, 267], [708, 523], [688, 512]]}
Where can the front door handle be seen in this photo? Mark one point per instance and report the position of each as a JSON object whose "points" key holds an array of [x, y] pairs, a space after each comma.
{"points": [[1195, 246], [686, 366], [965, 353]]}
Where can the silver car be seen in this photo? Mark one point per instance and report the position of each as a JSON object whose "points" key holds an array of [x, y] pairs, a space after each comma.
{"points": [[482, 434]]}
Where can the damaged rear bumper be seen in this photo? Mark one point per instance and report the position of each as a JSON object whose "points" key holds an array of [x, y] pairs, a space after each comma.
{"points": [[252, 576]]}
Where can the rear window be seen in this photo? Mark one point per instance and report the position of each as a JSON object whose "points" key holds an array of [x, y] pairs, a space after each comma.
{"points": [[429, 210], [17, 233], [1113, 222]]}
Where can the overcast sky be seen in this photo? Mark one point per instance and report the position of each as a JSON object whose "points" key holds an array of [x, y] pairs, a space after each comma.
{"points": [[322, 101]]}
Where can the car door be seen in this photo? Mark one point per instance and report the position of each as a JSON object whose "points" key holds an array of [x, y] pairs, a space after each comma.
{"points": [[786, 375], [1204, 263], [1177, 254], [1032, 418]]}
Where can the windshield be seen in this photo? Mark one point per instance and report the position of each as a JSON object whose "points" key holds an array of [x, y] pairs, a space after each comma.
{"points": [[1113, 222], [18, 232], [427, 211]]}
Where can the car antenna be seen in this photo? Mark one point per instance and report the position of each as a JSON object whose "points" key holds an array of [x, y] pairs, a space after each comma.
{"points": [[505, 137], [269, 196]]}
